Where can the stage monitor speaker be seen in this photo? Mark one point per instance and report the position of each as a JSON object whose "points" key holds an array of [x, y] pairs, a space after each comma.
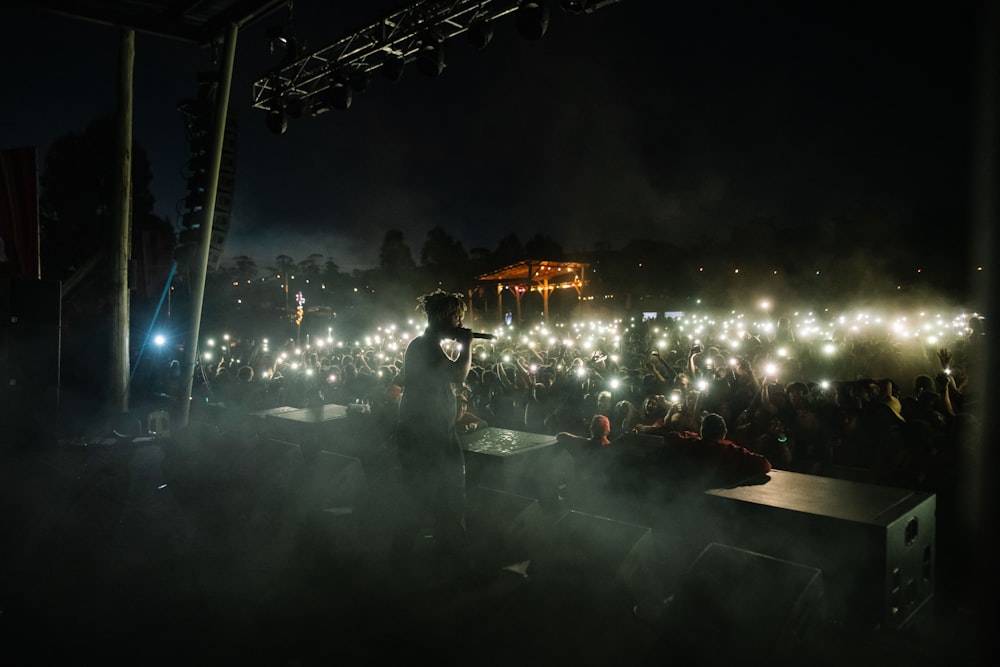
{"points": [[598, 558], [734, 603], [875, 544], [333, 484], [329, 501], [515, 461], [504, 528], [279, 470]]}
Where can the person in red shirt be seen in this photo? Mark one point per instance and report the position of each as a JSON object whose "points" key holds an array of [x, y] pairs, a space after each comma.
{"points": [[590, 455], [709, 457]]}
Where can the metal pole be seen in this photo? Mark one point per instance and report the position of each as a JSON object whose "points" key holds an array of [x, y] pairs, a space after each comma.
{"points": [[200, 262], [977, 484], [123, 228]]}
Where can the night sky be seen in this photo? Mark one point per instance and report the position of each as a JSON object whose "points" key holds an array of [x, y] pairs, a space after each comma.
{"points": [[645, 119]]}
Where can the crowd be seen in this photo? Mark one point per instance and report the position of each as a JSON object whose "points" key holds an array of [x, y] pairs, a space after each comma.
{"points": [[877, 411], [654, 409]]}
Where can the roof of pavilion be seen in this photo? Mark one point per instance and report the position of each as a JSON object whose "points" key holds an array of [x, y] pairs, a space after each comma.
{"points": [[536, 272]]}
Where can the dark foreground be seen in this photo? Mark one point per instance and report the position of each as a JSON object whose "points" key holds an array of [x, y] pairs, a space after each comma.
{"points": [[207, 548]]}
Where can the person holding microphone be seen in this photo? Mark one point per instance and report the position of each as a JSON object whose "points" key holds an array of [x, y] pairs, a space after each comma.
{"points": [[431, 460]]}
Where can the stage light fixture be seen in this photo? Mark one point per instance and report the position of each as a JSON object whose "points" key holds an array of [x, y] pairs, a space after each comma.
{"points": [[392, 68], [480, 33], [294, 107], [532, 19], [281, 38], [359, 80], [277, 121], [430, 56], [339, 94], [276, 38]]}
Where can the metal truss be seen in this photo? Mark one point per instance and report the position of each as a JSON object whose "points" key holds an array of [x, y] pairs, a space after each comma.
{"points": [[391, 42]]}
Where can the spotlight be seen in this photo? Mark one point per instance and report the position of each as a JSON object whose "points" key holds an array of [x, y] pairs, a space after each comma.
{"points": [[532, 19], [430, 57], [480, 33], [277, 37], [281, 38], [359, 81], [294, 107], [277, 121], [337, 96], [393, 67], [341, 95]]}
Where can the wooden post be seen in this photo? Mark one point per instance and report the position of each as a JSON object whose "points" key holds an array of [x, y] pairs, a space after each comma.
{"points": [[122, 228]]}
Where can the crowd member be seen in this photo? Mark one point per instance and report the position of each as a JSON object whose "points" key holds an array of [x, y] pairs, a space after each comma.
{"points": [[590, 456], [775, 445], [599, 430], [495, 401], [805, 426], [708, 458], [540, 398], [627, 416], [686, 412], [624, 417], [245, 395], [654, 413], [465, 421], [604, 403]]}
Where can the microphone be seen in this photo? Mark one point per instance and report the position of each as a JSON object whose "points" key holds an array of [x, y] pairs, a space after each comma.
{"points": [[475, 334]]}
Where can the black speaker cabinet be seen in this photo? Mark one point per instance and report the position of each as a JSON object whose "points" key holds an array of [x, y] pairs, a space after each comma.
{"points": [[331, 500], [504, 528], [875, 544], [333, 484], [594, 558], [309, 482], [515, 461], [278, 470], [741, 604]]}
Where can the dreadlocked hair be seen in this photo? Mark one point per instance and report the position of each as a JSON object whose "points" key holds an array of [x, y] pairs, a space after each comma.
{"points": [[442, 306]]}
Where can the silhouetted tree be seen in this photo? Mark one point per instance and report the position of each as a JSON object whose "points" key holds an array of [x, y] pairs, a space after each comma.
{"points": [[311, 269], [508, 251], [397, 275], [442, 249], [395, 257], [444, 258], [543, 246], [245, 268]]}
